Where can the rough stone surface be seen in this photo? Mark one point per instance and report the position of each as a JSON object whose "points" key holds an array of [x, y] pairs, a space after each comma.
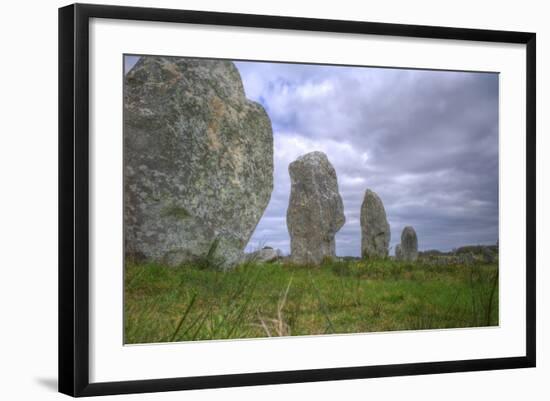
{"points": [[398, 254], [264, 255], [198, 160], [375, 230], [315, 212], [408, 249]]}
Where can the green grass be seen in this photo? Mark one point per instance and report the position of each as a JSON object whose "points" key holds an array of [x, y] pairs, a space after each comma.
{"points": [[258, 300]]}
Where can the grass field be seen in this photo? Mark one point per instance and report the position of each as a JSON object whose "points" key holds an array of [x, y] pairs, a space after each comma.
{"points": [[257, 300]]}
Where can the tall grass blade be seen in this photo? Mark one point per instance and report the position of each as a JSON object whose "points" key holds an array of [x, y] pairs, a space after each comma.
{"points": [[322, 304], [184, 317]]}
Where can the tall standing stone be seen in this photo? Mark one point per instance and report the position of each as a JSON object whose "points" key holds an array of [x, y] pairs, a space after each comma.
{"points": [[375, 230], [315, 212], [198, 161], [408, 249]]}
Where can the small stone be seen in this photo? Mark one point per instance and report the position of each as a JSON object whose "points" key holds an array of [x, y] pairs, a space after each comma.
{"points": [[398, 252], [265, 255]]}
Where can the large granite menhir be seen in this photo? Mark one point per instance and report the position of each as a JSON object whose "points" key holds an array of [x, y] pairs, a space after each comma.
{"points": [[375, 229], [315, 212], [198, 161]]}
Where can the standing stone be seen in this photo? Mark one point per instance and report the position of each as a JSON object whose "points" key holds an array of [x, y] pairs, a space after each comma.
{"points": [[408, 249], [265, 255], [198, 161], [315, 212], [398, 254], [375, 230]]}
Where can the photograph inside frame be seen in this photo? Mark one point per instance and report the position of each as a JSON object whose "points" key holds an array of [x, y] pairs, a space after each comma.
{"points": [[269, 199]]}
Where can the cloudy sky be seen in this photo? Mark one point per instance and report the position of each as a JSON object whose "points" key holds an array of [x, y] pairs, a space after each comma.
{"points": [[425, 141]]}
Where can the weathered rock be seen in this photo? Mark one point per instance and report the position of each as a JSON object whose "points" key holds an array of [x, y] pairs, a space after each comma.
{"points": [[375, 230], [408, 249], [398, 254], [315, 212], [198, 160], [264, 255]]}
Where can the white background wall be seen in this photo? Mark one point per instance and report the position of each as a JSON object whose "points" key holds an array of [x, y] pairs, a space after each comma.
{"points": [[28, 199]]}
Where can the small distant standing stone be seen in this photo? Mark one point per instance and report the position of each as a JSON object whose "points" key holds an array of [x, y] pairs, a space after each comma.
{"points": [[265, 255], [398, 252], [315, 211], [375, 229], [408, 249]]}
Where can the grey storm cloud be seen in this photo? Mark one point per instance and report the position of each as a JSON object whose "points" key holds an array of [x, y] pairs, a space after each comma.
{"points": [[425, 141]]}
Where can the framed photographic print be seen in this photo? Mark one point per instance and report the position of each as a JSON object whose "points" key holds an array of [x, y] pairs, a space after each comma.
{"points": [[251, 199]]}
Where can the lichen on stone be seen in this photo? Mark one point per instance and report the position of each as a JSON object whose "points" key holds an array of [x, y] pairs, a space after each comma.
{"points": [[198, 160]]}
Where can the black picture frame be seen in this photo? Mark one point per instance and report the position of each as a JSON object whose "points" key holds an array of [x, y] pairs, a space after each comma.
{"points": [[74, 198]]}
